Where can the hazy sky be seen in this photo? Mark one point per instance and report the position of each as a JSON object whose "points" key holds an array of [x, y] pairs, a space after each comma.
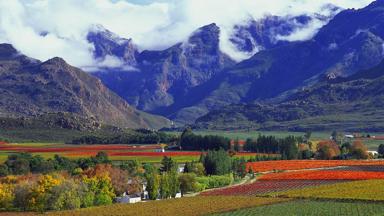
{"points": [[151, 24]]}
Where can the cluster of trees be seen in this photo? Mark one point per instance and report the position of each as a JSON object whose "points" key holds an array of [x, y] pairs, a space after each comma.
{"points": [[162, 183], [287, 147], [141, 136], [190, 141], [328, 150], [24, 163], [95, 186], [60, 183], [214, 169], [302, 148]]}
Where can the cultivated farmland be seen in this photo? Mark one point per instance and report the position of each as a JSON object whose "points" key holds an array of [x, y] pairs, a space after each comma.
{"points": [[264, 187], [324, 175], [312, 208], [192, 206], [372, 190], [266, 166], [139, 152]]}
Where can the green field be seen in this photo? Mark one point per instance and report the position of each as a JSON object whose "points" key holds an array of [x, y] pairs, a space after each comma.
{"points": [[312, 208], [254, 134]]}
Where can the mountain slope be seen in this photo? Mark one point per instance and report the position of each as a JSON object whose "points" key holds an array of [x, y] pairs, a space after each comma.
{"points": [[164, 78], [29, 88], [352, 41], [351, 103]]}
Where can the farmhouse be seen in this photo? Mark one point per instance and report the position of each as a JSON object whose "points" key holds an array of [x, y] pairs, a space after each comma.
{"points": [[135, 198]]}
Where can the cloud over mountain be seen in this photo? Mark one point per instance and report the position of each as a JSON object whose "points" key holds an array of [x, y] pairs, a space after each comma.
{"points": [[46, 28]]}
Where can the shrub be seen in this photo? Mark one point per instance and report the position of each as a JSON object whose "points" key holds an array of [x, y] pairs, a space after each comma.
{"points": [[215, 181]]}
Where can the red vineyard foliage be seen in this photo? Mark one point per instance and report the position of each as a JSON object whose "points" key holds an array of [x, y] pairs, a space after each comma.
{"points": [[324, 175], [75, 149], [143, 154], [265, 166], [262, 187]]}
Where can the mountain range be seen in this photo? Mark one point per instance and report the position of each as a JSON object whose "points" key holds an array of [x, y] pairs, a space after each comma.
{"points": [[352, 103], [332, 79], [192, 78]]}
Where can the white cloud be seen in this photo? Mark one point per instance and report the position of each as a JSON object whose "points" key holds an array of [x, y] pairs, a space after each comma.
{"points": [[153, 25]]}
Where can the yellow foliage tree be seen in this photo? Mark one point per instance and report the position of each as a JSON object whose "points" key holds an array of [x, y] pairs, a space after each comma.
{"points": [[39, 192], [6, 196]]}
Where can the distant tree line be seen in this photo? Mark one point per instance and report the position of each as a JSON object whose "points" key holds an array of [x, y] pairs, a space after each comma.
{"points": [[140, 136], [287, 147], [192, 142]]}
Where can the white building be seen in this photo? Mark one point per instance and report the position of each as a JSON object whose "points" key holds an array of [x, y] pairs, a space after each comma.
{"points": [[129, 198], [374, 153], [349, 136]]}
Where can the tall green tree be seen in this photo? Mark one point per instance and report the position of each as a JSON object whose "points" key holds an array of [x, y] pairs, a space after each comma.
{"points": [[217, 163], [167, 164], [380, 150], [174, 183], [153, 182], [165, 190], [288, 148]]}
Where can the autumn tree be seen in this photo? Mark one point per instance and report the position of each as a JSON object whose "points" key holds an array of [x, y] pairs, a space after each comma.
{"points": [[102, 188], [39, 192], [6, 196], [327, 150], [359, 150]]}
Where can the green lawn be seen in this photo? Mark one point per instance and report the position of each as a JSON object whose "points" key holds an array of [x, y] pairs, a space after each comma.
{"points": [[312, 208]]}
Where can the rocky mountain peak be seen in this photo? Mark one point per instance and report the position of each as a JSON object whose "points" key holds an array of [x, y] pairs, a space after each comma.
{"points": [[56, 61], [206, 38], [7, 51], [107, 43]]}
